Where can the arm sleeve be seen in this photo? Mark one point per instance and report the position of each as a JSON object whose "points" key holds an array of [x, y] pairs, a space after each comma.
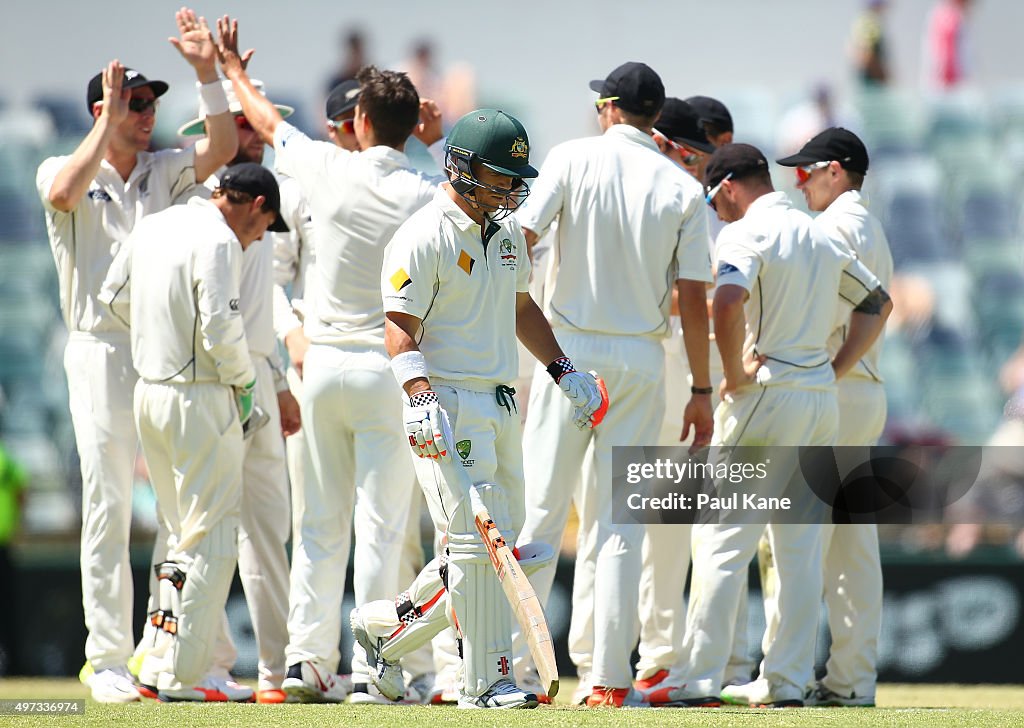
{"points": [[856, 282], [546, 197], [738, 264], [693, 253], [116, 291], [523, 258], [303, 159], [216, 273], [45, 176], [409, 278]]}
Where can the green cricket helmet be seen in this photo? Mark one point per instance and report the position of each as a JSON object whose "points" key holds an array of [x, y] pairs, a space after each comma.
{"points": [[497, 141]]}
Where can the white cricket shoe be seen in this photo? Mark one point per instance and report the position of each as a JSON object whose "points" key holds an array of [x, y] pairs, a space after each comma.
{"points": [[235, 692], [584, 687], [205, 692], [387, 676], [113, 685], [365, 692], [502, 694], [758, 694], [824, 697], [447, 685], [307, 682]]}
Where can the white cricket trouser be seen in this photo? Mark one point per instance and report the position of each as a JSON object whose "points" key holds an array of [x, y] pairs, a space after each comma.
{"points": [[295, 453], [633, 369], [262, 556], [722, 552], [192, 440], [101, 382], [853, 570], [581, 623], [489, 458], [352, 420]]}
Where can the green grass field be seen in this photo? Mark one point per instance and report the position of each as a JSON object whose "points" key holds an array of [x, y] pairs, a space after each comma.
{"points": [[955, 706]]}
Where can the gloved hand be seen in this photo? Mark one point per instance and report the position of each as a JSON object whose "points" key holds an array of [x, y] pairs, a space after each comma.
{"points": [[426, 423], [243, 400], [586, 391]]}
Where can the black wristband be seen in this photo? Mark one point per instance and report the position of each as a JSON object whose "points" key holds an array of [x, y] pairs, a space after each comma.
{"points": [[560, 366], [701, 390]]}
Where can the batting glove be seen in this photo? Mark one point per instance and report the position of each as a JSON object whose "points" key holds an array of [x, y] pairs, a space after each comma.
{"points": [[243, 400], [426, 423], [586, 391]]}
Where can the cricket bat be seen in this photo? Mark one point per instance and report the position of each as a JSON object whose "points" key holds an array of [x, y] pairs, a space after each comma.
{"points": [[525, 604]]}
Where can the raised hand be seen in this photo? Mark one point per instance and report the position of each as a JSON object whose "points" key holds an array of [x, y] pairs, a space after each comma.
{"points": [[231, 60], [429, 129], [196, 44], [115, 98]]}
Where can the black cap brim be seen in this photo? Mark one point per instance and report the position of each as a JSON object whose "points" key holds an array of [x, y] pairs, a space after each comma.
{"points": [[705, 147], [597, 86], [279, 225], [799, 160], [159, 87]]}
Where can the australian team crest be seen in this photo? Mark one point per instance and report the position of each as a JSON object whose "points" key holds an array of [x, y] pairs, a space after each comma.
{"points": [[463, 448], [520, 148], [507, 253]]}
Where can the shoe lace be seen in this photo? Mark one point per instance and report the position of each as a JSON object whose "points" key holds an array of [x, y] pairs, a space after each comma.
{"points": [[504, 686]]}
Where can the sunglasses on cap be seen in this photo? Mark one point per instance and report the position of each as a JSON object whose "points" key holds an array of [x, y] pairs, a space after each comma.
{"points": [[345, 126], [601, 103], [713, 192], [689, 157], [804, 173], [140, 106]]}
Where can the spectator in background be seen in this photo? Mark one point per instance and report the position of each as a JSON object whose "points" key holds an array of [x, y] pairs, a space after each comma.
{"points": [[947, 51], [13, 480], [352, 45], [868, 44]]}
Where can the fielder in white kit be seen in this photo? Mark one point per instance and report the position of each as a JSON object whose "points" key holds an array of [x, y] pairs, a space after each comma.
{"points": [[180, 274], [351, 404], [830, 171], [631, 226], [455, 286], [778, 390], [92, 200]]}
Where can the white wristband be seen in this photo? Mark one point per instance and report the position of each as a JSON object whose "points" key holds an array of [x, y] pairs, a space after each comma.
{"points": [[409, 365], [212, 99]]}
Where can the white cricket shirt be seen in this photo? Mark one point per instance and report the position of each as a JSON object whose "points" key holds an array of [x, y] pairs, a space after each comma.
{"points": [[796, 277], [357, 202], [438, 269], [630, 223], [293, 259], [85, 240], [849, 223], [184, 276]]}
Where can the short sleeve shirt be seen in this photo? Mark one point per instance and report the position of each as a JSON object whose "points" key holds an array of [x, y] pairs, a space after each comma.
{"points": [[796, 278], [85, 240], [630, 223], [438, 269]]}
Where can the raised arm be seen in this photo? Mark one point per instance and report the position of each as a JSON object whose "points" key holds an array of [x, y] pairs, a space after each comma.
{"points": [[262, 115], [196, 46], [72, 182]]}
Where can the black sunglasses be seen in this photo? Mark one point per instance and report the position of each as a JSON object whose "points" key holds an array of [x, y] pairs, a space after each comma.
{"points": [[142, 105]]}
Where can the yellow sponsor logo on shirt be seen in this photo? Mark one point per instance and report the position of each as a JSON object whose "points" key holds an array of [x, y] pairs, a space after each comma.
{"points": [[466, 262], [400, 279]]}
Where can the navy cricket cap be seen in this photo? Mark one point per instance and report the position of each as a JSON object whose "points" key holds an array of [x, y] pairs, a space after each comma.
{"points": [[255, 180], [680, 123], [132, 79], [638, 88], [835, 144], [711, 111], [739, 160], [343, 98]]}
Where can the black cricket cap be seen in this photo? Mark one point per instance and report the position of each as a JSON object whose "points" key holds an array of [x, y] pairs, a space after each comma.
{"points": [[343, 98], [638, 88], [739, 160], [132, 79], [711, 111], [835, 144], [680, 123], [255, 179]]}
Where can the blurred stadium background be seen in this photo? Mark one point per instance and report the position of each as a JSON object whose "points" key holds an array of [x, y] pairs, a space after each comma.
{"points": [[947, 179]]}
